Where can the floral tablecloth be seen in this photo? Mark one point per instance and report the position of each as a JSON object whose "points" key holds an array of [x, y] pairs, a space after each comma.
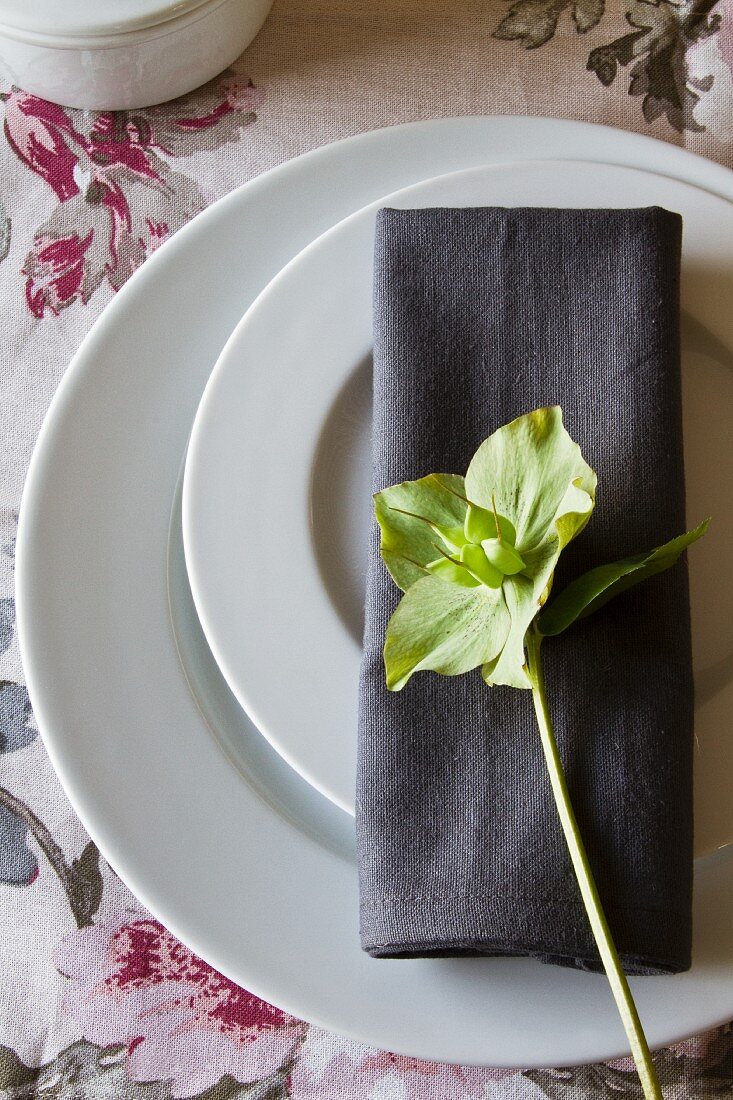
{"points": [[97, 999]]}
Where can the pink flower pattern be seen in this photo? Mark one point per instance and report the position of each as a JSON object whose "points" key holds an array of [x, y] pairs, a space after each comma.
{"points": [[135, 985], [42, 135], [118, 196], [57, 272]]}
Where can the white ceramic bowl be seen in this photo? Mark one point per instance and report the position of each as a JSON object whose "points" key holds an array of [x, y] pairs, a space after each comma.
{"points": [[87, 53]]}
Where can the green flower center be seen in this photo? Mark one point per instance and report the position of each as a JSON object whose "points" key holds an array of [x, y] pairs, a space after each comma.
{"points": [[480, 552]]}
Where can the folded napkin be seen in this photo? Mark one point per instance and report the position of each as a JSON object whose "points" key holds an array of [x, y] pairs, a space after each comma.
{"points": [[482, 315]]}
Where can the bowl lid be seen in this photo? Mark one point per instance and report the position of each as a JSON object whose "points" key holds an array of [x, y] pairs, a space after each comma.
{"points": [[90, 18]]}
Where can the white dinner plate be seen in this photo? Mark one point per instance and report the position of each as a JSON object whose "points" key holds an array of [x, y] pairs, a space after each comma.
{"points": [[231, 850], [277, 501]]}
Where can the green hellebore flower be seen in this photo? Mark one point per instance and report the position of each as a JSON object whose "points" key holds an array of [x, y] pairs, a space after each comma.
{"points": [[527, 493], [476, 556]]}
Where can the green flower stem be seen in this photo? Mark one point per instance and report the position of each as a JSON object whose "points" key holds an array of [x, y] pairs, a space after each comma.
{"points": [[588, 889]]}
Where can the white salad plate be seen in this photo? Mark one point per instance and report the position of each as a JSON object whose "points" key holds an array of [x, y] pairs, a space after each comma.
{"points": [[277, 501], [209, 827]]}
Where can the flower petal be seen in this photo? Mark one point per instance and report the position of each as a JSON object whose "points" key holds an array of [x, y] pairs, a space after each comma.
{"points": [[573, 513], [408, 543], [444, 628], [527, 466], [522, 603]]}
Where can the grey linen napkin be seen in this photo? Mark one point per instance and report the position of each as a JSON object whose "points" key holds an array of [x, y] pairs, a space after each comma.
{"points": [[480, 316]]}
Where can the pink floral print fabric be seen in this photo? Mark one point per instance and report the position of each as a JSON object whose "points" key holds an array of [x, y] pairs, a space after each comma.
{"points": [[97, 1000], [118, 195], [132, 984]]}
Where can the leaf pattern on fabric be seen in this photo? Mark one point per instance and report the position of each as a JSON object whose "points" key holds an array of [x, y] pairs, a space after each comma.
{"points": [[18, 864], [118, 196], [662, 34], [700, 1076], [15, 717], [81, 879], [4, 233], [534, 22], [7, 623], [81, 1072], [85, 884]]}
